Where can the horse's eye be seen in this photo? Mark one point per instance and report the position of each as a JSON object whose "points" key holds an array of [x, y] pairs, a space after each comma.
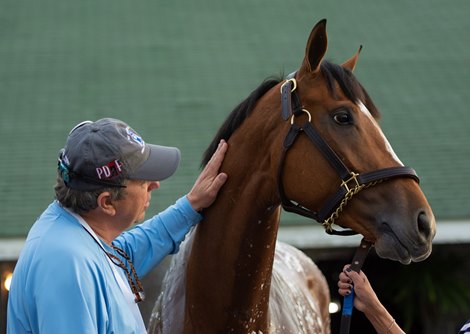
{"points": [[343, 117]]}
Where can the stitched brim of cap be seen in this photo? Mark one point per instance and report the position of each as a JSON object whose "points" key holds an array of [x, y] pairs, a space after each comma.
{"points": [[162, 162]]}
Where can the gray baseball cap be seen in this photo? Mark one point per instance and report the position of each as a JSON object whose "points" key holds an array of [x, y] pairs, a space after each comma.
{"points": [[107, 152]]}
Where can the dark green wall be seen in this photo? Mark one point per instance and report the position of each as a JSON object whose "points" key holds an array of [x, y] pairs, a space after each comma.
{"points": [[175, 69]]}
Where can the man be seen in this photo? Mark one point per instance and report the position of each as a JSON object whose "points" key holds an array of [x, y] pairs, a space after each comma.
{"points": [[79, 271]]}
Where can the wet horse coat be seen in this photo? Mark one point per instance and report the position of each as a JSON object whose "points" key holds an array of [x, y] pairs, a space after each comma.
{"points": [[231, 275], [298, 289]]}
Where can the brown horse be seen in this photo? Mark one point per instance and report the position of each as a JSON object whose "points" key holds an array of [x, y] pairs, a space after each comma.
{"points": [[231, 276]]}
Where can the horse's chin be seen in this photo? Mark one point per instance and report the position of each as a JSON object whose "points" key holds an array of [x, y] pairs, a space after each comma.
{"points": [[389, 246]]}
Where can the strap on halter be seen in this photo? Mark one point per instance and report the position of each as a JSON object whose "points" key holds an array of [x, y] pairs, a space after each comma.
{"points": [[292, 106], [297, 208]]}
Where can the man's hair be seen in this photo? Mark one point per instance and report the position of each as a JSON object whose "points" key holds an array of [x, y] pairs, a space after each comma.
{"points": [[83, 201]]}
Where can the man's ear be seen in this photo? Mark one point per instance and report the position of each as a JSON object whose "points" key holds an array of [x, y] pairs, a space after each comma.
{"points": [[105, 204]]}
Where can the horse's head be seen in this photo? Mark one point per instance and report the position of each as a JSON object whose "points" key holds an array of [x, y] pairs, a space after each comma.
{"points": [[388, 206]]}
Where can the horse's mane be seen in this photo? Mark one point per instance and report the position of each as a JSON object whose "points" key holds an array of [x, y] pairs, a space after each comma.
{"points": [[238, 115], [332, 73]]}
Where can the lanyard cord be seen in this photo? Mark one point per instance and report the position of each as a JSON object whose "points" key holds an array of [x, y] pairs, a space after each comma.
{"points": [[135, 284], [136, 287]]}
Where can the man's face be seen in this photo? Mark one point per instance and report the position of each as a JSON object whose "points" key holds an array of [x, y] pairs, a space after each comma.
{"points": [[131, 209]]}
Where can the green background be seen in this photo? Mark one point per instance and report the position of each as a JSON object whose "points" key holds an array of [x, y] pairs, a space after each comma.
{"points": [[174, 70]]}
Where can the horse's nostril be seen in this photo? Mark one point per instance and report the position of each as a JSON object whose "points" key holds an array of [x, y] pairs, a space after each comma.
{"points": [[424, 225]]}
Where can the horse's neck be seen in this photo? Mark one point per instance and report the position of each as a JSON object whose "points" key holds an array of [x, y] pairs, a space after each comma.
{"points": [[229, 271]]}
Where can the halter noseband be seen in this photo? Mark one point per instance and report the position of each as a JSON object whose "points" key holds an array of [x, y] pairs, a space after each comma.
{"points": [[351, 182]]}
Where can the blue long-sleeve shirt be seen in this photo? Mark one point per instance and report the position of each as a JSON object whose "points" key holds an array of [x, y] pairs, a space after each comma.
{"points": [[63, 281]]}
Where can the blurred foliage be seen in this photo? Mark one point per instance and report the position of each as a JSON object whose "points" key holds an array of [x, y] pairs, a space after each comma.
{"points": [[430, 291]]}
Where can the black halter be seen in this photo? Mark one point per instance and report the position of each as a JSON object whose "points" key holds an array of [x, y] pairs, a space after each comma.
{"points": [[351, 182]]}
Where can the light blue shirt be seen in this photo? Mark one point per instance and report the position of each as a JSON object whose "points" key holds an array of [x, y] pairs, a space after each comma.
{"points": [[63, 282]]}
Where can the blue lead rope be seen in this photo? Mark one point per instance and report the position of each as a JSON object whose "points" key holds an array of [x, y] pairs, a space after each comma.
{"points": [[348, 301]]}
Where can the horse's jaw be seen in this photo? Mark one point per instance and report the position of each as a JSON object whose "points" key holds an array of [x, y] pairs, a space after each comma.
{"points": [[396, 217]]}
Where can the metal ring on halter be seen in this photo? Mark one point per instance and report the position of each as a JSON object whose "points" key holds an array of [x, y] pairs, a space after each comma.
{"points": [[294, 82], [305, 111]]}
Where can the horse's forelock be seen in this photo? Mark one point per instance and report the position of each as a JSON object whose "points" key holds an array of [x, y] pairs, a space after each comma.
{"points": [[348, 83], [237, 116]]}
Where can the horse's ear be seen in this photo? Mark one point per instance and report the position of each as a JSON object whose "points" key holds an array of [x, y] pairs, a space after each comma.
{"points": [[350, 64], [316, 48]]}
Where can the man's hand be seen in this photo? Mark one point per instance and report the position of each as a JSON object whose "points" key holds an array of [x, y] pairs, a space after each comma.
{"points": [[209, 182]]}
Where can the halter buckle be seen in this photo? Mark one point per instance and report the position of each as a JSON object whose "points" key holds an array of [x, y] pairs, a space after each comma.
{"points": [[294, 83], [345, 183]]}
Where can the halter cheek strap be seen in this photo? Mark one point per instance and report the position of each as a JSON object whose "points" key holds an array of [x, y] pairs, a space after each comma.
{"points": [[351, 182]]}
